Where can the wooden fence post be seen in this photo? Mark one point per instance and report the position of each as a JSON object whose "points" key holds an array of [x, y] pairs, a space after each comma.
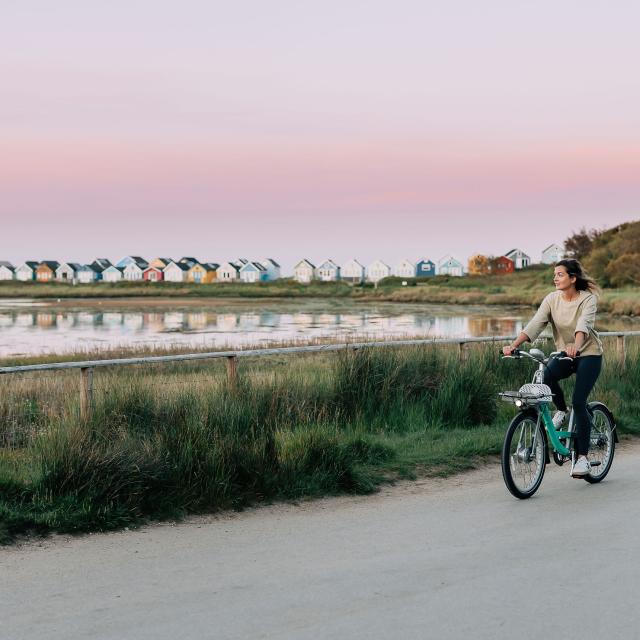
{"points": [[463, 351], [622, 351], [232, 372], [86, 393]]}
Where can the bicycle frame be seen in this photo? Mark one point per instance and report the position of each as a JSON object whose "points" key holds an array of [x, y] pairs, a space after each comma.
{"points": [[543, 413], [554, 435]]}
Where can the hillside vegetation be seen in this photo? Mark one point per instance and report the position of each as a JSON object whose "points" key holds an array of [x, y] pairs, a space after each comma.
{"points": [[613, 256]]}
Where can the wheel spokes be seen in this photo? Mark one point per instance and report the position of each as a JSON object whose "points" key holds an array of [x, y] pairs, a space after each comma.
{"points": [[525, 460], [600, 442]]}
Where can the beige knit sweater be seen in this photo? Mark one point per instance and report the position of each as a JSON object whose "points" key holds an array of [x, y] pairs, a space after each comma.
{"points": [[566, 319]]}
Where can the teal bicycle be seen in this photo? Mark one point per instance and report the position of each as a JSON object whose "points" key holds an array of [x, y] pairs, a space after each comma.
{"points": [[531, 434]]}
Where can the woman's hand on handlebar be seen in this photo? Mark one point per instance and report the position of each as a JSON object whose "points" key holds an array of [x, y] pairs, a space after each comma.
{"points": [[571, 351], [509, 350]]}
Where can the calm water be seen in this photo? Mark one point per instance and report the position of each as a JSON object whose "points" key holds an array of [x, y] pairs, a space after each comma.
{"points": [[37, 327]]}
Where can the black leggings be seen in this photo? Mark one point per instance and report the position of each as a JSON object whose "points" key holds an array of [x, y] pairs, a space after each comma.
{"points": [[587, 370]]}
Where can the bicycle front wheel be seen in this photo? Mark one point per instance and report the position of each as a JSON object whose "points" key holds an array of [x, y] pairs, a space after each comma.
{"points": [[523, 455]]}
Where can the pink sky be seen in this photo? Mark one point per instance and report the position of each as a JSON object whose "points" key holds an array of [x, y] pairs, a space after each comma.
{"points": [[291, 130]]}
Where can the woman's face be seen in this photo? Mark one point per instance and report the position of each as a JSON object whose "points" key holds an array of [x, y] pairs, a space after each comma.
{"points": [[562, 279]]}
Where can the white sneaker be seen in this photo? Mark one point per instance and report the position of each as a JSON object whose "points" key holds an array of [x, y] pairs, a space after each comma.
{"points": [[580, 468], [558, 418]]}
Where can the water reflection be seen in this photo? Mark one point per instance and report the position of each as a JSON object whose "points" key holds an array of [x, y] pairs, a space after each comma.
{"points": [[494, 326], [42, 330]]}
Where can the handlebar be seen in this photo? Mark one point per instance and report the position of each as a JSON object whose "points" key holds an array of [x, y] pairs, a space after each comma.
{"points": [[562, 355], [557, 355]]}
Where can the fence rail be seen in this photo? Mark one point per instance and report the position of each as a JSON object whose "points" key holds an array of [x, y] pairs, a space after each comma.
{"points": [[87, 367]]}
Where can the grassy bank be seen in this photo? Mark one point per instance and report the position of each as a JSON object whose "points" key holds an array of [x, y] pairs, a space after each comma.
{"points": [[526, 287], [277, 289], [173, 439]]}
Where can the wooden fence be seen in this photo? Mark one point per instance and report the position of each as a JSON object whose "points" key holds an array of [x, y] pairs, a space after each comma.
{"points": [[87, 367]]}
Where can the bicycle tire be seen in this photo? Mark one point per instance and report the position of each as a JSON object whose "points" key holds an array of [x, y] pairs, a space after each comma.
{"points": [[600, 411], [509, 457]]}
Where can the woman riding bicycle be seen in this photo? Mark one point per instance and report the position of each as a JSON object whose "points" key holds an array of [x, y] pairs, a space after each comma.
{"points": [[571, 310]]}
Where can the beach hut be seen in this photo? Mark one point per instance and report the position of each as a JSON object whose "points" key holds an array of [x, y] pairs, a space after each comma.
{"points": [[405, 269], [134, 271], [552, 254], [501, 265], [89, 273], [449, 266], [378, 270], [425, 268], [68, 272], [228, 272], [272, 269], [46, 270], [27, 271], [203, 273], [176, 272], [253, 272], [97, 268], [113, 274], [304, 272], [153, 274], [328, 271], [520, 259], [352, 272], [7, 271]]}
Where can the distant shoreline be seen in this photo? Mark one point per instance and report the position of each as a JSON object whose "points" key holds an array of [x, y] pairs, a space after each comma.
{"points": [[523, 289]]}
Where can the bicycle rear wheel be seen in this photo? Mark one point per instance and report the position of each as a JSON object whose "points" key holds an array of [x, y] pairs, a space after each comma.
{"points": [[523, 455], [602, 444]]}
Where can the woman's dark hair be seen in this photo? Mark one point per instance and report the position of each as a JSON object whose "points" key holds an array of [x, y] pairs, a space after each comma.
{"points": [[584, 282]]}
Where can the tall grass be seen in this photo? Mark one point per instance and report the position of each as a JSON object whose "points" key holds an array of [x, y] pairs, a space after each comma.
{"points": [[172, 440]]}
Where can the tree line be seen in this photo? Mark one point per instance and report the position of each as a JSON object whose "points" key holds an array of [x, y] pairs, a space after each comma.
{"points": [[611, 256]]}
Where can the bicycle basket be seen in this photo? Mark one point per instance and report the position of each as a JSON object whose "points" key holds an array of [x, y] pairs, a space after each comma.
{"points": [[528, 394]]}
